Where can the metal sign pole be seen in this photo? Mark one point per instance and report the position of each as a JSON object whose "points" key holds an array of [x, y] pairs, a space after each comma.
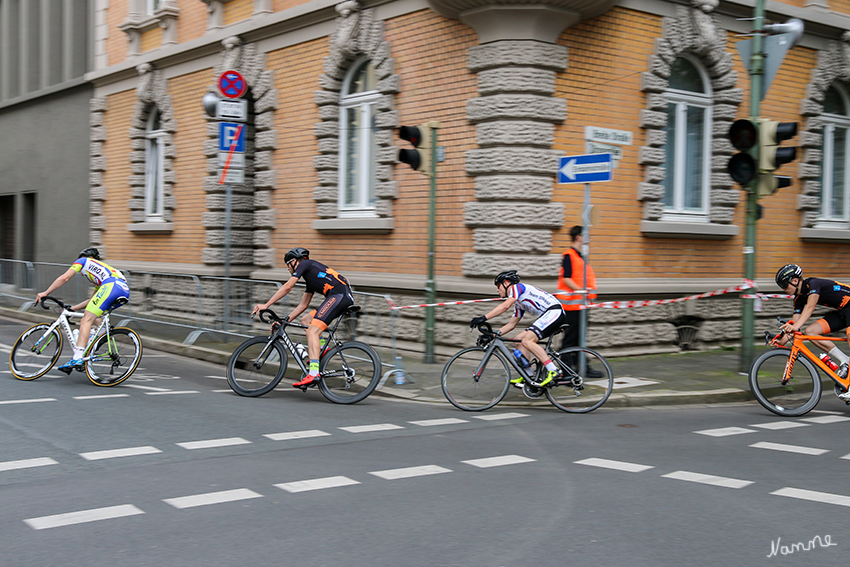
{"points": [[228, 200], [585, 232]]}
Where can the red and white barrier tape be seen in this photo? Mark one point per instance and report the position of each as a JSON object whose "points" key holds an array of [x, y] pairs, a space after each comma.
{"points": [[748, 284], [767, 296]]}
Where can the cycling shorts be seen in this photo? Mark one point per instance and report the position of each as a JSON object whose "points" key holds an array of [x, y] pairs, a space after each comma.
{"points": [[835, 320], [549, 323], [107, 296], [332, 307]]}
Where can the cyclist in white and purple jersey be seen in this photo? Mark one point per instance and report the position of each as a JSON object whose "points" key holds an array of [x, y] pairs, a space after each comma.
{"points": [[111, 291], [527, 298]]}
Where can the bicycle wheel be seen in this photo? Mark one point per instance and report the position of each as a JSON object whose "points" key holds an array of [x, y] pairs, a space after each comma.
{"points": [[35, 352], [797, 396], [114, 357], [256, 367], [349, 372], [469, 390], [586, 383]]}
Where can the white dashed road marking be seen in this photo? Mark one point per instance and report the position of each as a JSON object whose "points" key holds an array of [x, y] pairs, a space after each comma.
{"points": [[616, 465], [212, 498], [498, 461], [724, 431], [368, 428], [826, 419], [708, 479], [789, 448], [445, 421], [317, 484], [212, 443], [497, 416], [101, 396], [409, 472], [172, 392], [115, 453], [775, 425], [287, 435], [83, 517], [813, 496], [32, 401], [149, 388], [27, 464]]}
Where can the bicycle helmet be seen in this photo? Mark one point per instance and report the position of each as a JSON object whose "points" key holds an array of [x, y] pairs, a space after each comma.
{"points": [[89, 253], [509, 275], [296, 254], [787, 273]]}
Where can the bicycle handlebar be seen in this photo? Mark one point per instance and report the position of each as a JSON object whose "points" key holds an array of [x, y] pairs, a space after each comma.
{"points": [[56, 301]]}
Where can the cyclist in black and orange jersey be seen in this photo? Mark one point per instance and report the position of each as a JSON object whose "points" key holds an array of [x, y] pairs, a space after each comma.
{"points": [[808, 294], [318, 278]]}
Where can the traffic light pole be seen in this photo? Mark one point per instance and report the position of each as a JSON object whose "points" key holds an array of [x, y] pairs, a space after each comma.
{"points": [[430, 285], [756, 86]]}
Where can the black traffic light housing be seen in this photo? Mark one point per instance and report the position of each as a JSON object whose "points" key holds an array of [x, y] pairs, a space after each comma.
{"points": [[744, 135], [771, 156], [420, 137]]}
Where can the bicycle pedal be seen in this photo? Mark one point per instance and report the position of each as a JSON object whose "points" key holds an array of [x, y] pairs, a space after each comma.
{"points": [[66, 370]]}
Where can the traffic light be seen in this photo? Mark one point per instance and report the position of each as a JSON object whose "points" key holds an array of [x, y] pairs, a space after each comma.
{"points": [[771, 156], [744, 135], [419, 158]]}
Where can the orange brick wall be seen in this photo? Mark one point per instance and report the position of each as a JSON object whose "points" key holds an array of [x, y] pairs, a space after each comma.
{"points": [[151, 39], [116, 148], [192, 22], [842, 6], [237, 10], [280, 5], [116, 43]]}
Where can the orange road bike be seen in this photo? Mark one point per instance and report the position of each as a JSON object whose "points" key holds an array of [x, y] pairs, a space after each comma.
{"points": [[785, 380]]}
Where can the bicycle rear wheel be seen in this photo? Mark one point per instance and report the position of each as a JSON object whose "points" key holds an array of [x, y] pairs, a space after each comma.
{"points": [[349, 372], [256, 367], [35, 353], [469, 390], [797, 396], [586, 383], [114, 357]]}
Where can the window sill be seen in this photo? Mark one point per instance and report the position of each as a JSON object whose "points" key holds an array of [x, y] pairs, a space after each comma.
{"points": [[824, 235], [151, 227], [362, 225], [705, 231]]}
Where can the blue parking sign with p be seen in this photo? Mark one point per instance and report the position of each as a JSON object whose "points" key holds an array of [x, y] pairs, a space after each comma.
{"points": [[227, 136]]}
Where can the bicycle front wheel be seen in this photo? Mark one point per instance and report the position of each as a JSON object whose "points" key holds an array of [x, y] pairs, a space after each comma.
{"points": [[586, 380], [35, 352], [349, 372], [790, 398], [471, 386], [114, 357], [256, 367]]}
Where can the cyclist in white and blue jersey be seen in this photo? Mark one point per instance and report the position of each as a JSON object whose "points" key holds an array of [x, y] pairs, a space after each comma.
{"points": [[111, 291], [527, 298]]}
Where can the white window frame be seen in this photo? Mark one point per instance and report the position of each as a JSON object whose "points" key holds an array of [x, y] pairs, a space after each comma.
{"points": [[827, 217], [151, 6], [154, 172], [682, 101], [364, 103]]}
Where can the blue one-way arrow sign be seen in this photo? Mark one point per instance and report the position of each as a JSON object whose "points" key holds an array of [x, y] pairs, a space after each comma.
{"points": [[590, 168]]}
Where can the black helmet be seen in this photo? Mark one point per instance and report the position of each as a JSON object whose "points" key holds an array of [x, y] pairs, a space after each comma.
{"points": [[89, 253], [509, 275], [296, 254], [786, 273]]}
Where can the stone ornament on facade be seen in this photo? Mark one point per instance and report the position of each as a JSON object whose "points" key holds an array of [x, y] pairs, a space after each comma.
{"points": [[138, 22], [697, 32], [356, 34], [252, 218], [833, 65], [97, 165]]}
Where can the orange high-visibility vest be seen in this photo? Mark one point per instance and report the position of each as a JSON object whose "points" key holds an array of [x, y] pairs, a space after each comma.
{"points": [[571, 300]]}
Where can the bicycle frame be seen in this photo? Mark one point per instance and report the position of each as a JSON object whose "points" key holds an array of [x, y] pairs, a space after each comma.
{"points": [[63, 321], [797, 348], [499, 343]]}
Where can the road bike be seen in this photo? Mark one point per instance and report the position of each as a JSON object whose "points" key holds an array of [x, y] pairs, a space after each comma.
{"points": [[786, 381], [111, 355], [348, 371], [477, 378]]}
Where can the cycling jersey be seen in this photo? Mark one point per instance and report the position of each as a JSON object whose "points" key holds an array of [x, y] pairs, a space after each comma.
{"points": [[830, 293], [531, 299], [319, 278], [112, 291], [96, 271]]}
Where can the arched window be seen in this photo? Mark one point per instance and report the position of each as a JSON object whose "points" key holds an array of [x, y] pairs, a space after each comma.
{"points": [[154, 150], [834, 173], [357, 140], [687, 161]]}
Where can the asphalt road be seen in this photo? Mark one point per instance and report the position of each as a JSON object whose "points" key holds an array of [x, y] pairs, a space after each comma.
{"points": [[171, 468]]}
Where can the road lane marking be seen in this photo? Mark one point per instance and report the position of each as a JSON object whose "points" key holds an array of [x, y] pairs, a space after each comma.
{"points": [[708, 479], [150, 388], [83, 516], [616, 465], [789, 448], [776, 425], [497, 416], [498, 461], [409, 472], [811, 495], [368, 428], [212, 443], [30, 401], [287, 435], [826, 419], [445, 421], [317, 484], [27, 464], [115, 453], [212, 498], [101, 396], [725, 431], [168, 393]]}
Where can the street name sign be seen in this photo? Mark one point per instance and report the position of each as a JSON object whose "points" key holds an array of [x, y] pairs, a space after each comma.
{"points": [[607, 136], [590, 168], [232, 110]]}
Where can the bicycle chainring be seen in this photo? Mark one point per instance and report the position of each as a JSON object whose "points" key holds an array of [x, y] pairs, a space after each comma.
{"points": [[532, 392]]}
